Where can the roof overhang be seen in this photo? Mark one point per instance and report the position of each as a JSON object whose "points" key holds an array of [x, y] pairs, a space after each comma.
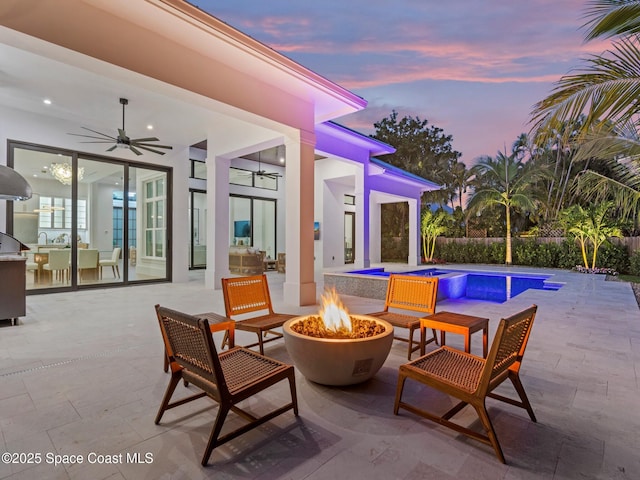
{"points": [[378, 167], [177, 43]]}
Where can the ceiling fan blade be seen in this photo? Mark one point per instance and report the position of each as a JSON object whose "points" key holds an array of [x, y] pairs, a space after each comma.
{"points": [[122, 134], [99, 133], [142, 147], [105, 138], [112, 148], [98, 141], [148, 139], [135, 150], [144, 144]]}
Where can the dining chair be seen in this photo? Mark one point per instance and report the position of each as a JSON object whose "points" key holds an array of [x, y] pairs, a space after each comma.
{"points": [[87, 260], [59, 262], [112, 262]]}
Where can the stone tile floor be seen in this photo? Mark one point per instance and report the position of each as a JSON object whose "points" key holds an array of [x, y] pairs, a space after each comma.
{"points": [[82, 375]]}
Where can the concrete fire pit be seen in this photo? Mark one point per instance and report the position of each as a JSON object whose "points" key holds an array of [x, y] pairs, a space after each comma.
{"points": [[338, 361]]}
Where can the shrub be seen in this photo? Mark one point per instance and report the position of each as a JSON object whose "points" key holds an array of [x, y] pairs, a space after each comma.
{"points": [[634, 263]]}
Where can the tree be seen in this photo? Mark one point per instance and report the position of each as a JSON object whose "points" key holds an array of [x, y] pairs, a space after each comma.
{"points": [[432, 225], [507, 181], [591, 225], [420, 149], [606, 92]]}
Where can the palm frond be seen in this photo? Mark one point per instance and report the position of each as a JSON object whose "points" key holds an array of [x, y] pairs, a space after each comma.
{"points": [[609, 18], [624, 191], [606, 88], [610, 142]]}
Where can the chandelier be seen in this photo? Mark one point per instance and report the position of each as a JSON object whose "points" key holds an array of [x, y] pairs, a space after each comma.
{"points": [[64, 173]]}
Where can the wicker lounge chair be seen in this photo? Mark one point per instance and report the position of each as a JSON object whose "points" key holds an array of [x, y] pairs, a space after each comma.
{"points": [[247, 295], [409, 292], [228, 378], [471, 379]]}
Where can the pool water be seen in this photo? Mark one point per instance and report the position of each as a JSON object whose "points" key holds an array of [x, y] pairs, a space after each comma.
{"points": [[489, 286]]}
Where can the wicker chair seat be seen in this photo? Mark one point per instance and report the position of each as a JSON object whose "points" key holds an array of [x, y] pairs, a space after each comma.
{"points": [[451, 366], [262, 323], [242, 368], [399, 320]]}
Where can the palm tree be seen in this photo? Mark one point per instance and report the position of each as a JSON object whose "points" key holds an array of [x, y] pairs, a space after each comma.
{"points": [[593, 225], [431, 227], [606, 91], [507, 181]]}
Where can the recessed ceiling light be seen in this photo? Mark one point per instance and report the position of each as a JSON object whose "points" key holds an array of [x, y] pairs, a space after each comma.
{"points": [[46, 101], [35, 175], [149, 127]]}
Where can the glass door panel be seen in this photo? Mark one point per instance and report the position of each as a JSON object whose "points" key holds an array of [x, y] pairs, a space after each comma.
{"points": [[240, 218], [100, 223], [349, 237], [43, 222], [198, 229], [148, 253], [264, 227]]}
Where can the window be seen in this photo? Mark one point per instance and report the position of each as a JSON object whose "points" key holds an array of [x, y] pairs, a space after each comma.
{"points": [[154, 205], [198, 169], [55, 212], [349, 199], [239, 176]]}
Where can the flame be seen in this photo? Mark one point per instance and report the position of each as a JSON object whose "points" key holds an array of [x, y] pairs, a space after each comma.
{"points": [[333, 312]]}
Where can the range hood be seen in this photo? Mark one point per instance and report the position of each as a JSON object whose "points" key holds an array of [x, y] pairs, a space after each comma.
{"points": [[12, 185]]}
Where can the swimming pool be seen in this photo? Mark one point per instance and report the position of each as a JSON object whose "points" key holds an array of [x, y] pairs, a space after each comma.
{"points": [[477, 285]]}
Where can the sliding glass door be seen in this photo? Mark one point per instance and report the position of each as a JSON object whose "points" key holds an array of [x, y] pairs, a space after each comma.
{"points": [[91, 221], [253, 223]]}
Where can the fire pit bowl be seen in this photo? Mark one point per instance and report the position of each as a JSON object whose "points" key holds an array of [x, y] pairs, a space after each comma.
{"points": [[338, 361]]}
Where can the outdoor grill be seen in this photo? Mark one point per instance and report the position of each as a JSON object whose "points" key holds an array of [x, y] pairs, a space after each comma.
{"points": [[14, 187], [12, 279]]}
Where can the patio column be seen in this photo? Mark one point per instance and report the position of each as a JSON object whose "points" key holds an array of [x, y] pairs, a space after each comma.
{"points": [[217, 220], [363, 221], [375, 232], [414, 232], [299, 287]]}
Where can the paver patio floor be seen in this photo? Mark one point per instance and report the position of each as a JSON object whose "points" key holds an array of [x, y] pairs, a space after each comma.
{"points": [[83, 375]]}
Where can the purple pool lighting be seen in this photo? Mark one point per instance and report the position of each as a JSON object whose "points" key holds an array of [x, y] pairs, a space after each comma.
{"points": [[476, 285]]}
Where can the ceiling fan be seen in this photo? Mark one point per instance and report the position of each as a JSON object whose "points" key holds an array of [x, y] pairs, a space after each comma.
{"points": [[123, 141], [260, 173]]}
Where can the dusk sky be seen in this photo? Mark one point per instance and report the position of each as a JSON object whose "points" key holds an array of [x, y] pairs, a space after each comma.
{"points": [[474, 68]]}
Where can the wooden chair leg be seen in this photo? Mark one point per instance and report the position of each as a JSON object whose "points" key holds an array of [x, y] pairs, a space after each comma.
{"points": [[294, 395], [173, 383], [215, 433], [399, 389], [260, 343], [517, 384], [491, 434]]}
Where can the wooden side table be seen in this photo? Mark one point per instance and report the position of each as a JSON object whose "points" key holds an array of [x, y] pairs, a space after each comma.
{"points": [[216, 322], [457, 323], [219, 320]]}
